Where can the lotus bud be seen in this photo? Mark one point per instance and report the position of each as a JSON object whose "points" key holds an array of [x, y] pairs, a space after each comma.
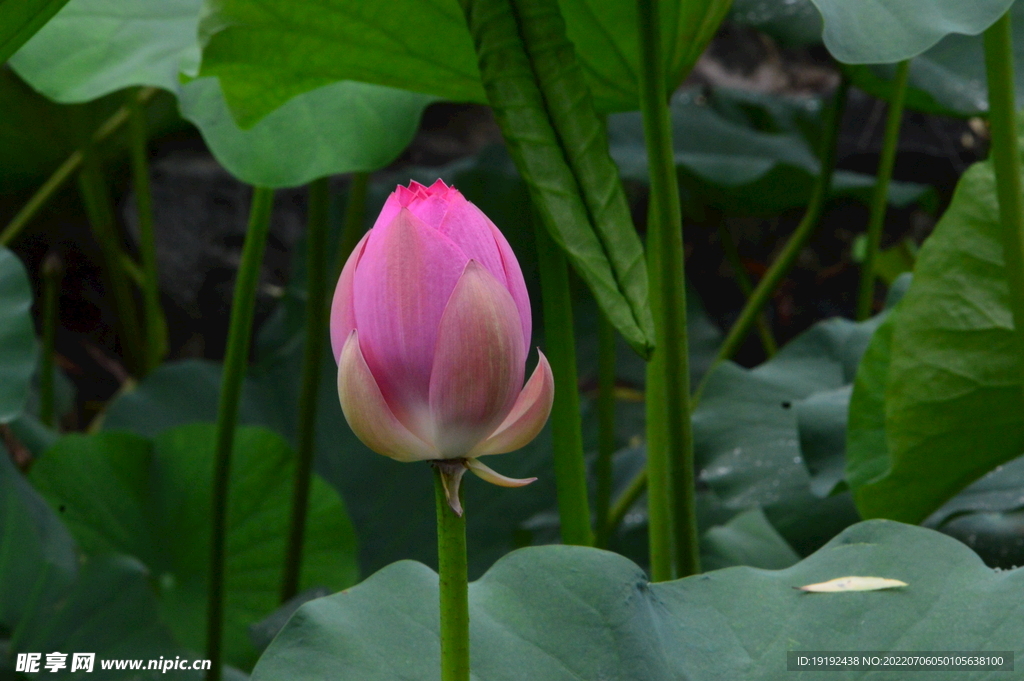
{"points": [[431, 326]]}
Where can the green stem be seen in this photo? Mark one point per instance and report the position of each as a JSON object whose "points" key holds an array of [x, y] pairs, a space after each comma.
{"points": [[743, 281], [235, 362], [96, 199], [68, 168], [671, 490], [605, 427], [784, 262], [452, 573], [566, 428], [156, 323], [1005, 154], [353, 227], [52, 273], [625, 501], [880, 197], [317, 316]]}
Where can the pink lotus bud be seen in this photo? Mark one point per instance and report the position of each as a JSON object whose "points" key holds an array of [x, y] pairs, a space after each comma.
{"points": [[431, 327]]}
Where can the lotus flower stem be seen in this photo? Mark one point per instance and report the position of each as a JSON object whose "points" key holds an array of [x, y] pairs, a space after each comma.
{"points": [[566, 426], [353, 227], [672, 515], [452, 572], [880, 197], [235, 362], [100, 212], [156, 323], [743, 281], [52, 274], [317, 317], [1005, 154], [606, 427], [784, 262], [68, 168]]}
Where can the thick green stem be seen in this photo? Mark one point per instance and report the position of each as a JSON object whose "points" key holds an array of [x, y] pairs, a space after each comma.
{"points": [[453, 577], [880, 197], [352, 229], [52, 273], [1005, 154], [566, 427], [732, 254], [156, 323], [68, 168], [100, 212], [605, 427], [784, 262], [235, 363], [671, 491], [317, 316]]}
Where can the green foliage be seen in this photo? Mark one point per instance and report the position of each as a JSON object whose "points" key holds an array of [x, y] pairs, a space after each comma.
{"points": [[49, 601], [937, 402], [564, 612], [17, 336], [96, 47], [557, 141], [888, 31], [267, 53], [338, 128], [20, 19], [744, 152], [946, 79], [120, 493]]}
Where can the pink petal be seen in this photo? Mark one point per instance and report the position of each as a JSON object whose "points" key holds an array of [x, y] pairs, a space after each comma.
{"points": [[478, 363], [494, 477], [527, 417], [368, 413], [471, 230], [405, 277], [343, 317], [514, 282]]}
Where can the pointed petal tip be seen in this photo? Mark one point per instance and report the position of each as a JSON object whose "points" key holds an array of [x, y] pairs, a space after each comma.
{"points": [[495, 478]]}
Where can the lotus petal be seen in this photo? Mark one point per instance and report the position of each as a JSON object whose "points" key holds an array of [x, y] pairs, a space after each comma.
{"points": [[478, 363], [343, 316], [494, 477], [528, 415], [368, 413]]}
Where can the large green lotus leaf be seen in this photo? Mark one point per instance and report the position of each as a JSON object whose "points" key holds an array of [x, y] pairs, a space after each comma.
{"points": [[110, 610], [952, 402], [947, 79], [886, 31], [950, 77], [37, 555], [268, 52], [17, 336], [95, 47], [48, 602], [19, 21], [744, 152], [566, 613], [338, 128], [121, 493], [748, 439], [985, 515]]}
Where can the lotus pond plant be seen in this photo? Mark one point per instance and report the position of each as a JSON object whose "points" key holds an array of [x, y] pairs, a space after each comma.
{"points": [[430, 327], [113, 536]]}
